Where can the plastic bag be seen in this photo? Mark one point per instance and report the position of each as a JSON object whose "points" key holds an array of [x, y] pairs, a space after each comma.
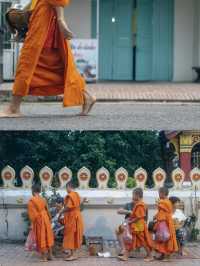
{"points": [[30, 244], [127, 236], [162, 232]]}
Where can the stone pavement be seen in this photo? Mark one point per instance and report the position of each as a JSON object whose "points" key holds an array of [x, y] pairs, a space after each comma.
{"points": [[126, 91], [107, 116], [13, 254]]}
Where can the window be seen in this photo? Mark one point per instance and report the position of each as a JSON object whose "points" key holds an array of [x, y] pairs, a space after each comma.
{"points": [[196, 156]]}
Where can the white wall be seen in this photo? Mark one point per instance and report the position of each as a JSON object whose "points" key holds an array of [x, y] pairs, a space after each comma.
{"points": [[100, 214], [184, 37], [78, 16]]}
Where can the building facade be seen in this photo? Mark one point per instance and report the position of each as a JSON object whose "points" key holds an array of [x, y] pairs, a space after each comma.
{"points": [[139, 40], [187, 148]]}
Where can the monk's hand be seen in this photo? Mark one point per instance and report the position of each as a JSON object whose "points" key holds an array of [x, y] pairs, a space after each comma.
{"points": [[85, 200], [68, 34]]}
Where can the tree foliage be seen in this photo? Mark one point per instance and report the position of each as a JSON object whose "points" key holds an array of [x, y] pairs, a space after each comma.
{"points": [[128, 149]]}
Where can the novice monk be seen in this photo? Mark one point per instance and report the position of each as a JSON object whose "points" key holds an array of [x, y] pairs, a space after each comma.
{"points": [[46, 65], [138, 228], [73, 222], [40, 219], [164, 214]]}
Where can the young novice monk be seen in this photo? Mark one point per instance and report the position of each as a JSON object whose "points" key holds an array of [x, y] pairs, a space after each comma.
{"points": [[73, 222], [40, 219], [138, 228], [164, 215]]}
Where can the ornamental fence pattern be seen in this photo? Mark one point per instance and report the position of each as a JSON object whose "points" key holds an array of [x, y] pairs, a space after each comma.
{"points": [[46, 177]]}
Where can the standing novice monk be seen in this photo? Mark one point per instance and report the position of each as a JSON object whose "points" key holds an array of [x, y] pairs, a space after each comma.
{"points": [[46, 65], [40, 219], [73, 222], [164, 216], [138, 227]]}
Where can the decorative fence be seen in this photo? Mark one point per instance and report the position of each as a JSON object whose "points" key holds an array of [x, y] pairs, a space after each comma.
{"points": [[46, 176]]}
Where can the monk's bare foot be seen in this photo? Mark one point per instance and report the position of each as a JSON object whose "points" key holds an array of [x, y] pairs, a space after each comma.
{"points": [[88, 104], [148, 259], [68, 34], [71, 258], [123, 258], [43, 259], [167, 258], [161, 257], [50, 257], [9, 113]]}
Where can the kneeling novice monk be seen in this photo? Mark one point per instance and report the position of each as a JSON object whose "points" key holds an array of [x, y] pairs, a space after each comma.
{"points": [[73, 222], [40, 219], [164, 217], [138, 227]]}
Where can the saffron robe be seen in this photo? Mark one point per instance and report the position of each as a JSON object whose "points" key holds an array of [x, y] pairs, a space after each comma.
{"points": [[165, 212], [139, 229], [73, 222], [43, 69], [39, 217]]}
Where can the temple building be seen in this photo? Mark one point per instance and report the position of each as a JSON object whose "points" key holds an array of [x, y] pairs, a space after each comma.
{"points": [[187, 148], [129, 40]]}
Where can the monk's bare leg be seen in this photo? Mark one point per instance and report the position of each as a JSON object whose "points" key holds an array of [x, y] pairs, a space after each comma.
{"points": [[149, 256], [124, 253], [68, 34], [43, 257], [50, 254], [120, 240], [89, 102], [13, 109]]}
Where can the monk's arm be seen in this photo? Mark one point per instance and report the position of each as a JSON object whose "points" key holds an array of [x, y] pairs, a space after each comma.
{"points": [[124, 212]]}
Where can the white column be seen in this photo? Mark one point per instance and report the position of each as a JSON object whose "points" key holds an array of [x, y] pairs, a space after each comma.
{"points": [[196, 47], [97, 36], [198, 15], [184, 40]]}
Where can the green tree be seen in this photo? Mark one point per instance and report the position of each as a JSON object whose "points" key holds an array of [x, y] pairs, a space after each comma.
{"points": [[128, 149]]}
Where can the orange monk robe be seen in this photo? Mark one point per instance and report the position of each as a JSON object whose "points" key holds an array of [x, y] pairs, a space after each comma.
{"points": [[73, 222], [44, 70], [141, 236], [164, 213], [39, 217]]}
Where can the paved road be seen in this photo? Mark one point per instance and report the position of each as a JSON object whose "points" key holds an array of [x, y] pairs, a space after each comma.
{"points": [[108, 116], [14, 255]]}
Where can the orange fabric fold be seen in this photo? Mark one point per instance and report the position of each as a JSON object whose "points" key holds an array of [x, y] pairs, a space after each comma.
{"points": [[164, 213], [46, 64], [73, 222], [38, 215], [141, 236]]}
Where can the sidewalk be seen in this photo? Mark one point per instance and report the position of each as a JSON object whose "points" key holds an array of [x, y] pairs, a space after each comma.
{"points": [[124, 91], [13, 254]]}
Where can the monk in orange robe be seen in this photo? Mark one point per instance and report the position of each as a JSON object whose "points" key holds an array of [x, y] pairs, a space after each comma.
{"points": [[138, 228], [46, 65], [40, 219], [73, 222], [164, 213]]}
